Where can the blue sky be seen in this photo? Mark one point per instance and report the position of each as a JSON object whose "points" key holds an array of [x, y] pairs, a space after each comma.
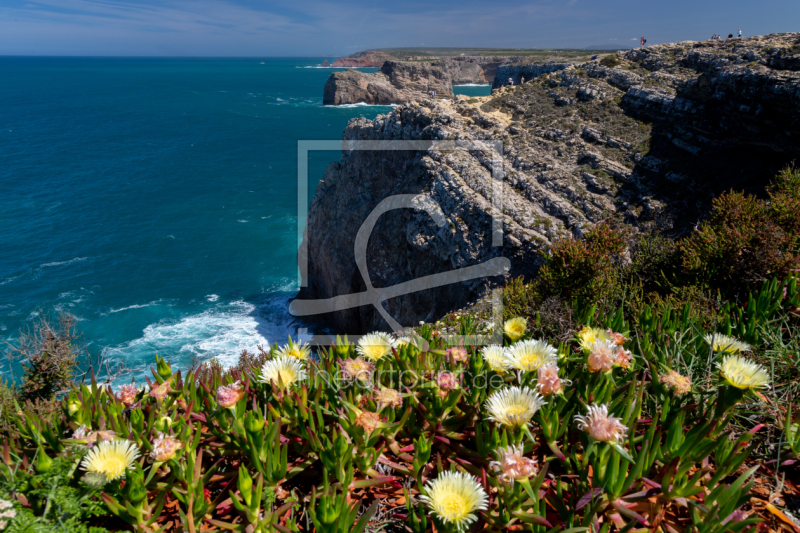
{"points": [[319, 28]]}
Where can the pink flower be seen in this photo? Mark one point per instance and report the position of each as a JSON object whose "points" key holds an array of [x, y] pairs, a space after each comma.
{"points": [[602, 426], [513, 465], [229, 396], [624, 358], [447, 381], [160, 392], [127, 394], [164, 448], [602, 356], [458, 353], [368, 420], [617, 338], [548, 381]]}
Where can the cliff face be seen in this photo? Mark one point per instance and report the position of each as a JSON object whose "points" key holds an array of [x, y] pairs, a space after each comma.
{"points": [[476, 69], [396, 82], [648, 141], [527, 71]]}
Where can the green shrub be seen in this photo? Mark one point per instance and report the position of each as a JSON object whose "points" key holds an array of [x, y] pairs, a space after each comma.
{"points": [[50, 355], [746, 240], [610, 60], [582, 269]]}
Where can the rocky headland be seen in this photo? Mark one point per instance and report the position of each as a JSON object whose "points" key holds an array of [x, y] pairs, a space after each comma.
{"points": [[396, 82], [647, 138]]}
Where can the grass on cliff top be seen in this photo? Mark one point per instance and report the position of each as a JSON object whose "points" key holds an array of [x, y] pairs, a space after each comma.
{"points": [[401, 53]]}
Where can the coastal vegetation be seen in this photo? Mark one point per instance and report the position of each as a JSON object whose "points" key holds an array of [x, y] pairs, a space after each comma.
{"points": [[637, 384]]}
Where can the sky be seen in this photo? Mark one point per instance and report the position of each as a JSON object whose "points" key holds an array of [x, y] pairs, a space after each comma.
{"points": [[253, 28]]}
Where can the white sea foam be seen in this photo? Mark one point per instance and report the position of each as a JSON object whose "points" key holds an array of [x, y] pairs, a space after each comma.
{"points": [[221, 332], [360, 104], [212, 297], [61, 263], [135, 306], [243, 221]]}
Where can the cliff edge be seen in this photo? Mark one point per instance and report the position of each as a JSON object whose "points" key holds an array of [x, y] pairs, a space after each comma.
{"points": [[647, 138], [396, 82]]}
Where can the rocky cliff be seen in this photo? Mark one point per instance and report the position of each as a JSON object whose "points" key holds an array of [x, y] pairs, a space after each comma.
{"points": [[476, 69], [648, 138], [396, 82], [528, 71]]}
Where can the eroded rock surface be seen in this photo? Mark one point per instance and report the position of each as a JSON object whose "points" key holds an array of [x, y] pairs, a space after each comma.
{"points": [[396, 82], [648, 142]]}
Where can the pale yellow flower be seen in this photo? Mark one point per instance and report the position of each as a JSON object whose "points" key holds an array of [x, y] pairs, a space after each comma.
{"points": [[588, 336], [283, 371], [529, 355], [495, 357], [723, 343], [374, 346], [455, 497], [743, 374], [514, 328], [514, 406], [297, 350], [111, 458]]}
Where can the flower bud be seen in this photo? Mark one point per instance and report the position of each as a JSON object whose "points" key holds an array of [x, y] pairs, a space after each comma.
{"points": [[245, 484], [163, 368], [253, 423], [163, 423], [73, 407], [43, 462]]}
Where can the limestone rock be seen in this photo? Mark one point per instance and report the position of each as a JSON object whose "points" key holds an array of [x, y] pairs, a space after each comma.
{"points": [[397, 82]]}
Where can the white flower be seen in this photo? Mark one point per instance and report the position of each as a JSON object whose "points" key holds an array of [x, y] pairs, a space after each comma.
{"points": [[455, 497], [529, 355], [602, 426], [514, 406]]}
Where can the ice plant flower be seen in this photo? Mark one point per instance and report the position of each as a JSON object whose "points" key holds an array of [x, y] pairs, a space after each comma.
{"points": [[495, 357], [357, 369], [164, 448], [127, 393], [723, 343], [159, 392], [548, 382], [678, 384], [514, 328], [388, 397], [283, 371], [514, 406], [368, 420], [512, 465], [623, 358], [602, 356], [111, 458], [602, 426], [229, 396], [529, 355], [454, 497], [458, 353], [743, 374], [374, 346], [588, 336], [400, 342], [298, 350], [617, 338], [446, 381]]}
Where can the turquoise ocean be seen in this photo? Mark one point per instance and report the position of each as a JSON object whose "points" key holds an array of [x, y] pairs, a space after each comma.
{"points": [[156, 199]]}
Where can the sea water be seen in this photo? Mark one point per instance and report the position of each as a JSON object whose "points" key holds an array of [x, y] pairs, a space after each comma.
{"points": [[156, 199]]}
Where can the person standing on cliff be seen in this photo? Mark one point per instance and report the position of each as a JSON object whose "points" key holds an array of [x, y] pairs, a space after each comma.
{"points": [[643, 40], [511, 81], [522, 80], [740, 32]]}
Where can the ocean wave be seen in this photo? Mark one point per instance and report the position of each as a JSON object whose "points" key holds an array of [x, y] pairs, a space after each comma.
{"points": [[212, 297], [62, 263], [360, 104], [221, 332], [135, 306]]}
